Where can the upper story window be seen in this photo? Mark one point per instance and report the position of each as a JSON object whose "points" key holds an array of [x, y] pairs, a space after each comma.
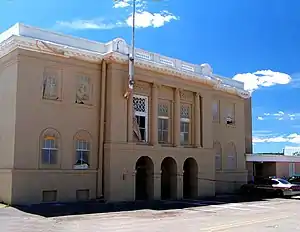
{"points": [[140, 123], [230, 114], [216, 110], [163, 122], [185, 124], [83, 150], [84, 90], [51, 84], [49, 147]]}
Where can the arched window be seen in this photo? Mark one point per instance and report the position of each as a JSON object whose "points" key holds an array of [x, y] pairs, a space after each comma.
{"points": [[218, 155], [231, 156], [83, 148], [50, 147]]}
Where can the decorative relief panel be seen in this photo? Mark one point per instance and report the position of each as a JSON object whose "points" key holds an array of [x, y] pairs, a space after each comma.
{"points": [[142, 87], [83, 90], [186, 95], [52, 84]]}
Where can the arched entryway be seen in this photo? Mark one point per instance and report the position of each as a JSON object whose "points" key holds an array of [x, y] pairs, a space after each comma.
{"points": [[144, 184], [190, 178], [168, 178]]}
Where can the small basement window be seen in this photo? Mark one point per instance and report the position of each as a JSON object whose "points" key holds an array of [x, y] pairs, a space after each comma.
{"points": [[82, 194], [49, 196]]}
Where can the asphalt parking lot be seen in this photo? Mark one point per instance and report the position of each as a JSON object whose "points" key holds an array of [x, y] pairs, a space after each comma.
{"points": [[220, 214]]}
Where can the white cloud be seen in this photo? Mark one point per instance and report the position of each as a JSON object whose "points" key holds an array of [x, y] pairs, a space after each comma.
{"points": [[121, 4], [260, 118], [291, 138], [88, 25], [280, 115], [144, 18], [262, 78]]}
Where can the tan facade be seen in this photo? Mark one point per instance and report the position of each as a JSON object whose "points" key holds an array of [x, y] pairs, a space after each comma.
{"points": [[185, 148]]}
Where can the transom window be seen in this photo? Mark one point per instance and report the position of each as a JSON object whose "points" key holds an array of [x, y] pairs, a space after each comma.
{"points": [[82, 152], [163, 123], [140, 124], [185, 124], [49, 150]]}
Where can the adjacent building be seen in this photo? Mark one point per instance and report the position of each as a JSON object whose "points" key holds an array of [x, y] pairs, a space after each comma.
{"points": [[67, 132], [284, 164]]}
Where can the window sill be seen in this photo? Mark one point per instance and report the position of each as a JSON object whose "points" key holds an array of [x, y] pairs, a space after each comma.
{"points": [[53, 101], [231, 125], [87, 105]]}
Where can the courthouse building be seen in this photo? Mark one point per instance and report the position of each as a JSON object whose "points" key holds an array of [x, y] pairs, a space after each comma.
{"points": [[67, 133]]}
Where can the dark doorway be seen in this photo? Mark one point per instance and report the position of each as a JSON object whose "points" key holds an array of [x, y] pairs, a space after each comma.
{"points": [[144, 179], [168, 179], [190, 179]]}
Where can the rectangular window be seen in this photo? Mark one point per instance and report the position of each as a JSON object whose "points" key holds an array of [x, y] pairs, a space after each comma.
{"points": [[82, 194], [140, 105], [163, 127], [163, 122], [230, 117], [185, 124], [50, 196], [216, 110]]}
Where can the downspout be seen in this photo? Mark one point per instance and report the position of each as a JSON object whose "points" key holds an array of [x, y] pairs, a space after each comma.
{"points": [[100, 194]]}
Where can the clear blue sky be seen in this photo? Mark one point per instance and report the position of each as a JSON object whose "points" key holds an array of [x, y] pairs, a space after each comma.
{"points": [[255, 41]]}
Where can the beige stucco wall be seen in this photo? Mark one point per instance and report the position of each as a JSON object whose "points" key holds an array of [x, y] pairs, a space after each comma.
{"points": [[8, 89], [33, 115]]}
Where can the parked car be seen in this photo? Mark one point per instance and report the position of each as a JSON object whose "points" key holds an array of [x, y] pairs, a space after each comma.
{"points": [[294, 179], [277, 186]]}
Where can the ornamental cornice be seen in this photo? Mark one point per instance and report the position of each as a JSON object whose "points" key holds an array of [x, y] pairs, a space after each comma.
{"points": [[35, 45]]}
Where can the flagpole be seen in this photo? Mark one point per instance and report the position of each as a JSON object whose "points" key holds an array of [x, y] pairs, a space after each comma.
{"points": [[131, 53]]}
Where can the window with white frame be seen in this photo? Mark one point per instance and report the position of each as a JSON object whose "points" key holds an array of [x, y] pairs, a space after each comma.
{"points": [[185, 124], [230, 117], [82, 152], [231, 157], [140, 105], [216, 110], [163, 122], [49, 150], [218, 155]]}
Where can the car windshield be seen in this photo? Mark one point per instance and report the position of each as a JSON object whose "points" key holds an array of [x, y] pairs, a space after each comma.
{"points": [[282, 181]]}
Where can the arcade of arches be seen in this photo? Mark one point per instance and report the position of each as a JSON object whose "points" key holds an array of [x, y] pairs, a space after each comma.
{"points": [[144, 178]]}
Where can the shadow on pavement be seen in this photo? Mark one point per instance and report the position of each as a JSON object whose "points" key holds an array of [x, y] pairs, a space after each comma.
{"points": [[64, 209]]}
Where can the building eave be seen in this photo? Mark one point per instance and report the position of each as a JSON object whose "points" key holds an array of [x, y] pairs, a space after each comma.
{"points": [[116, 50], [272, 158]]}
